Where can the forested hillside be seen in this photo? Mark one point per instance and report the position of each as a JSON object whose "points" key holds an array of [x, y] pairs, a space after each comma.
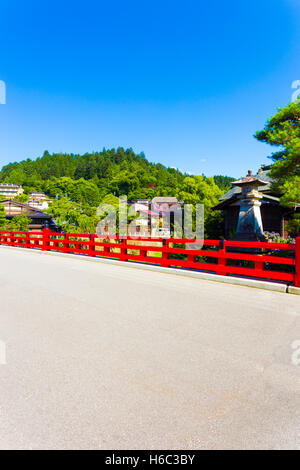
{"points": [[111, 171], [88, 179]]}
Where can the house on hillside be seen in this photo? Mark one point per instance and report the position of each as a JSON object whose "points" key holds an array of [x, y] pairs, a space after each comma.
{"points": [[41, 205], [10, 190], [160, 203], [38, 219], [275, 217], [157, 216], [39, 201], [38, 196], [143, 222]]}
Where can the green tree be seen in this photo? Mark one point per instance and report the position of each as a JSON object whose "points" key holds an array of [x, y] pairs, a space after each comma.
{"points": [[19, 223], [291, 197], [22, 198], [73, 217], [85, 180], [201, 190], [80, 191], [17, 176], [3, 219], [283, 131], [224, 182]]}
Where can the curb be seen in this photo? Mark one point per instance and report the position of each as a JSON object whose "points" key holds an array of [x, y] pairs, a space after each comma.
{"points": [[293, 290], [265, 285]]}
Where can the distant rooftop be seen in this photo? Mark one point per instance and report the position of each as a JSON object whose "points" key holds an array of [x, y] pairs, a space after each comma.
{"points": [[168, 200], [9, 185]]}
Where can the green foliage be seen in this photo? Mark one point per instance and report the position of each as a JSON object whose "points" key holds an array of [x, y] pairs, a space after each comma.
{"points": [[73, 217], [214, 225], [276, 238], [202, 190], [120, 172], [19, 223], [80, 191], [22, 198], [16, 176], [291, 196], [283, 131], [199, 190], [3, 220], [78, 182], [224, 182], [291, 191], [293, 226], [111, 199]]}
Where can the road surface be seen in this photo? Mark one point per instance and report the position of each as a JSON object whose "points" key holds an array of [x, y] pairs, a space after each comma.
{"points": [[100, 356]]}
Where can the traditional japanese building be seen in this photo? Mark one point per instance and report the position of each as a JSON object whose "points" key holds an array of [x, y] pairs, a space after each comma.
{"points": [[38, 196], [9, 190], [38, 219], [270, 215]]}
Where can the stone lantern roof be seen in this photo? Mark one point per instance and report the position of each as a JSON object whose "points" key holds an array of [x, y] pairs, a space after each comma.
{"points": [[250, 180]]}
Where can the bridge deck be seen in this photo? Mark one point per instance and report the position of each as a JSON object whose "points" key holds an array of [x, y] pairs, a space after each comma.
{"points": [[102, 356]]}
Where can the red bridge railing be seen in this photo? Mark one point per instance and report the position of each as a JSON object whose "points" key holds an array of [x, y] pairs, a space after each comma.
{"points": [[271, 261]]}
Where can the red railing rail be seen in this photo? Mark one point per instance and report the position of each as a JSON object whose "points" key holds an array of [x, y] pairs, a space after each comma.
{"points": [[264, 260]]}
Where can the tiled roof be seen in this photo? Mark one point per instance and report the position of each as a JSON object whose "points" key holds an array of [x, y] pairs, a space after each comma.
{"points": [[30, 211], [9, 185]]}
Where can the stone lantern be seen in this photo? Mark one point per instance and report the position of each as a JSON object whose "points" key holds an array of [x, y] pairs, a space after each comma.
{"points": [[250, 226]]}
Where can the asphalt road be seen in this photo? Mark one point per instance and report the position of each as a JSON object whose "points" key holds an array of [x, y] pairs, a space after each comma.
{"points": [[107, 357]]}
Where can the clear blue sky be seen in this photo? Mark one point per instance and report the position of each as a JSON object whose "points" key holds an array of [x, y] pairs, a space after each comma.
{"points": [[187, 82]]}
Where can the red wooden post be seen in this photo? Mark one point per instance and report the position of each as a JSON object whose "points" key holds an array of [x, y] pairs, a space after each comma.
{"points": [[92, 251], [165, 255], [297, 266], [106, 249], [123, 246], [222, 259], [11, 239], [27, 240], [66, 243], [46, 237], [191, 258], [259, 265]]}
